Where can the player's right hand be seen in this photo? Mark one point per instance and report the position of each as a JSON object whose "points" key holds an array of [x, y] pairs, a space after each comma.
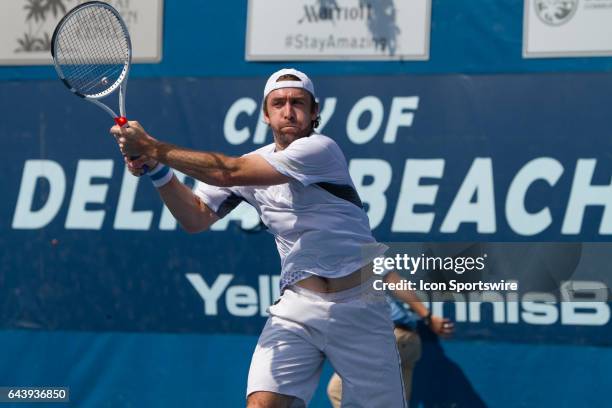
{"points": [[133, 140]]}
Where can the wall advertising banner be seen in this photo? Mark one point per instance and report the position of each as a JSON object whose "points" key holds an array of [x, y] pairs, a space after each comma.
{"points": [[567, 28], [26, 27], [338, 30]]}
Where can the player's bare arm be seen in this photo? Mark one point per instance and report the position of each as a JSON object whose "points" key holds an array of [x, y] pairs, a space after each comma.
{"points": [[189, 210], [211, 168]]}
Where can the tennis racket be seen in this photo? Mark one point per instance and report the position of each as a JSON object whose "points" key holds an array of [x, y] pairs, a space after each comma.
{"points": [[92, 54]]}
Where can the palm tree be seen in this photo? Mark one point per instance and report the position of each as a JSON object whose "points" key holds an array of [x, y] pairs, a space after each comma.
{"points": [[43, 43], [56, 6], [36, 10], [27, 43]]}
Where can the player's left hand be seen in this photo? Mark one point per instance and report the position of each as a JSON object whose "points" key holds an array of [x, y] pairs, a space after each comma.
{"points": [[137, 166], [441, 326], [134, 140]]}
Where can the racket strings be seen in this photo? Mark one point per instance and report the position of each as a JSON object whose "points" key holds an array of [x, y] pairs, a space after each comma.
{"points": [[92, 50], [91, 33], [105, 57]]}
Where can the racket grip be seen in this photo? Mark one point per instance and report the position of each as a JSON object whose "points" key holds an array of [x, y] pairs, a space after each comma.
{"points": [[123, 122]]}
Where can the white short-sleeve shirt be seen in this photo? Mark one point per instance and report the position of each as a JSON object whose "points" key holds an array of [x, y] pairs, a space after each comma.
{"points": [[317, 218]]}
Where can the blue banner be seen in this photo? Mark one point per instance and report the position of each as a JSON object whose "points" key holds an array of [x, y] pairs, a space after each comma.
{"points": [[435, 158]]}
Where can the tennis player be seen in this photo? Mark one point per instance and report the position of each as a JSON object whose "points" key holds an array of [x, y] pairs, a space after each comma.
{"points": [[301, 188]]}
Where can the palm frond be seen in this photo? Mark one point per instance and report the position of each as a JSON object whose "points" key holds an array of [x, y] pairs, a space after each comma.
{"points": [[26, 44], [57, 7], [36, 10]]}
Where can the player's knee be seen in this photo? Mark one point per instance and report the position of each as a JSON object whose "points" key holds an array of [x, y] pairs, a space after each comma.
{"points": [[264, 399]]}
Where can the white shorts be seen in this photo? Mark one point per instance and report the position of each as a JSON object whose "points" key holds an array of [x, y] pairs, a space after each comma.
{"points": [[352, 328]]}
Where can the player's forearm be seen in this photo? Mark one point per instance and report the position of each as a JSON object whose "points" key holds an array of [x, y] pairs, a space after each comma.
{"points": [[191, 213], [211, 168]]}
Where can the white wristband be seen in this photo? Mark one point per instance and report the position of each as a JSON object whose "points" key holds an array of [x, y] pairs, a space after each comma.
{"points": [[161, 175]]}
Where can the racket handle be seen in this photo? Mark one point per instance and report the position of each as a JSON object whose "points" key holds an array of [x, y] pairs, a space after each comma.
{"points": [[123, 122]]}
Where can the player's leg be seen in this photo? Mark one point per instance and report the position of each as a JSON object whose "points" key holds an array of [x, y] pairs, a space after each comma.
{"points": [[409, 348], [266, 399], [288, 359], [362, 349]]}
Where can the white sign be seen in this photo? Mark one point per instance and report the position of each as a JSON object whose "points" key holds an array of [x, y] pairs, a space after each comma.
{"points": [[567, 28], [26, 28], [338, 30]]}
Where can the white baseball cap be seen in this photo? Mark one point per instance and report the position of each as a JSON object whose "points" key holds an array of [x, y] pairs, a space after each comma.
{"points": [[304, 82]]}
